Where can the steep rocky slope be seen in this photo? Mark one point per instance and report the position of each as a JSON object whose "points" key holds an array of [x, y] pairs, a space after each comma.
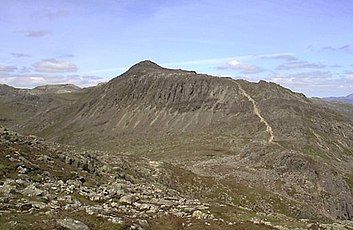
{"points": [[288, 152]]}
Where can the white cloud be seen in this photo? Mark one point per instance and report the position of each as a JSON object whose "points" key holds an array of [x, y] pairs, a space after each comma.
{"points": [[241, 67], [315, 83], [55, 66]]}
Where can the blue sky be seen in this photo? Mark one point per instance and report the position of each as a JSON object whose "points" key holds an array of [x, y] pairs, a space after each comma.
{"points": [[306, 46]]}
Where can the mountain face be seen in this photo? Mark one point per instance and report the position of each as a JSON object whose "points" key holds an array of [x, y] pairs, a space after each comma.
{"points": [[348, 99], [275, 151]]}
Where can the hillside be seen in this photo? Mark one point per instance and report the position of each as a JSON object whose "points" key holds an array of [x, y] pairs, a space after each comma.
{"points": [[258, 133], [19, 105], [277, 151]]}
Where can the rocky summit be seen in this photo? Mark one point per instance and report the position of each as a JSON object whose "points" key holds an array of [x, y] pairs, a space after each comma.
{"points": [[158, 148]]}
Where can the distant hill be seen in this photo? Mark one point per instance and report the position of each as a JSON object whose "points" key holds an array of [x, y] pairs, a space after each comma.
{"points": [[55, 89], [19, 105], [347, 99]]}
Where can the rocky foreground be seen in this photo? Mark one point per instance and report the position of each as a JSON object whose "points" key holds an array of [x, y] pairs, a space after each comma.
{"points": [[46, 186], [43, 187]]}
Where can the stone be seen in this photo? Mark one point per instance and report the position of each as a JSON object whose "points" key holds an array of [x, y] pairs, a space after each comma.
{"points": [[7, 188], [114, 204], [22, 169], [31, 190], [128, 199], [145, 206], [46, 158], [26, 207], [199, 215], [38, 205], [116, 220], [72, 224]]}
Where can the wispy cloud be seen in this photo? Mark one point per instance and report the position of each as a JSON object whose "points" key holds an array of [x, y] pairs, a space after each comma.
{"points": [[25, 69], [34, 33], [19, 55], [66, 56], [350, 72], [347, 48], [300, 65], [227, 59], [54, 14], [282, 57], [7, 68], [241, 67], [55, 66], [107, 70]]}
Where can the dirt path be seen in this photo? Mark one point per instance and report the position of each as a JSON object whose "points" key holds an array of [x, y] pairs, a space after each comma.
{"points": [[258, 113]]}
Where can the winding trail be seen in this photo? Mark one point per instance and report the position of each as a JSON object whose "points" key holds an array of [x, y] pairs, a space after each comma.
{"points": [[257, 113]]}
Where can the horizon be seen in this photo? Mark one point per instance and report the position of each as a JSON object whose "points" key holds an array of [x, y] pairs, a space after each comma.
{"points": [[304, 46]]}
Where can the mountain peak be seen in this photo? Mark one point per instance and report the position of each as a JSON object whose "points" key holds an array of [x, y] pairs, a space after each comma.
{"points": [[145, 65]]}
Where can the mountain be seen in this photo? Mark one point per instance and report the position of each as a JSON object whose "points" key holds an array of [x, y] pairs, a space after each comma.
{"points": [[276, 153], [347, 99], [55, 89], [20, 105], [44, 89]]}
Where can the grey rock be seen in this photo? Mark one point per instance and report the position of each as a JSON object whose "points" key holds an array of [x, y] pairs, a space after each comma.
{"points": [[25, 207], [39, 205], [7, 188], [200, 215], [128, 199], [72, 224], [22, 169], [31, 190]]}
